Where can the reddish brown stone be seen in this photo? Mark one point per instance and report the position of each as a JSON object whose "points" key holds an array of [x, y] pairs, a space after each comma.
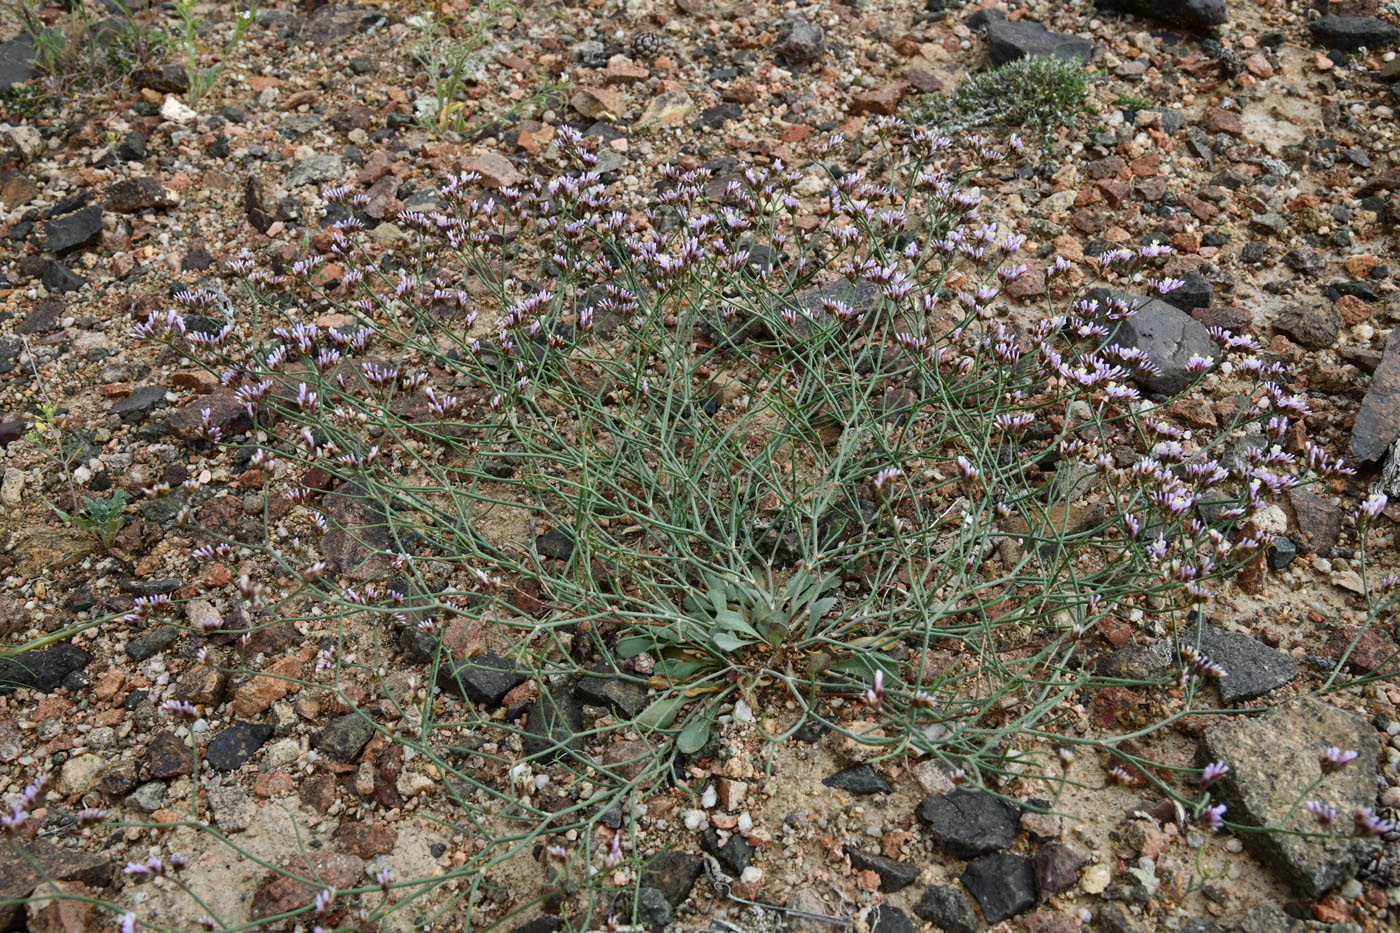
{"points": [[280, 894], [881, 100], [365, 840], [272, 784], [1223, 121], [1372, 651], [1352, 310]]}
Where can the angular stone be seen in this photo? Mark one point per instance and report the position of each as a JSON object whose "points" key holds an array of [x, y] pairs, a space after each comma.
{"points": [[555, 545], [799, 42], [59, 279], [484, 680], [1195, 292], [151, 643], [167, 79], [624, 697], [317, 168], [168, 757], [73, 231], [1056, 869], [1319, 522], [495, 169], [131, 195], [734, 855], [232, 747], [894, 876], [42, 318], [233, 810], [1311, 326], [149, 797], [26, 863], [43, 670], [1354, 32], [17, 65], [673, 874], [859, 780], [969, 823], [139, 403], [892, 920], [1252, 668], [344, 736], [669, 109], [1007, 41], [357, 544], [279, 894], [225, 412], [1199, 15], [1169, 337], [1003, 884], [552, 726], [1274, 761], [947, 908], [598, 103], [1378, 422], [365, 840]]}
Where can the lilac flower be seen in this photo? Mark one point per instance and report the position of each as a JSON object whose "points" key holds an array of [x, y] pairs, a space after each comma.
{"points": [[151, 868], [323, 900], [883, 480], [90, 815], [1213, 818], [182, 708], [1117, 775], [876, 694], [1197, 364], [1213, 772], [966, 468], [1325, 814], [1374, 505], [1334, 758], [384, 879], [129, 923], [614, 850], [1369, 824]]}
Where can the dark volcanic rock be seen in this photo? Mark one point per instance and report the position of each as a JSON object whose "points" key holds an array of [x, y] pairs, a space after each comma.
{"points": [[168, 757], [734, 856], [858, 780], [167, 79], [73, 231], [894, 876], [552, 726], [1008, 41], [624, 697], [41, 319], [1378, 422], [969, 823], [673, 874], [1200, 15], [892, 920], [43, 670], [555, 544], [1319, 522], [59, 279], [485, 679], [1311, 326], [1003, 884], [139, 403], [1169, 337], [16, 67], [131, 195], [235, 745], [1056, 869], [358, 541], [1195, 292], [947, 908], [1252, 668], [1354, 32], [800, 42], [344, 736], [151, 643], [1274, 762]]}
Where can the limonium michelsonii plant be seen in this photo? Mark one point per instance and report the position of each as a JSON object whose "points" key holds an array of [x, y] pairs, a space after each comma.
{"points": [[552, 354]]}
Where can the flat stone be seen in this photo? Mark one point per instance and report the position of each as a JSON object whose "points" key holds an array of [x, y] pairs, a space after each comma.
{"points": [[1169, 337], [1003, 885], [1319, 522], [1311, 326], [1007, 41], [1378, 422], [17, 65], [553, 724], [1056, 869], [1251, 667], [149, 644], [598, 103], [357, 544], [131, 195], [26, 863], [43, 670], [1195, 292], [947, 908], [894, 876], [139, 403], [672, 108], [799, 42], [859, 780], [280, 894], [167, 79], [484, 680], [1354, 32], [149, 797], [1198, 15], [42, 318], [232, 747], [225, 412], [365, 840], [673, 874], [969, 823], [893, 920], [344, 736], [59, 279], [168, 757], [1274, 761], [734, 854], [73, 231], [495, 169], [624, 697], [233, 810], [317, 168]]}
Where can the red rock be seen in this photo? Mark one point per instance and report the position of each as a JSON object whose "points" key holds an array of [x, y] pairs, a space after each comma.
{"points": [[279, 894], [272, 784], [1353, 310], [255, 696], [1029, 284], [795, 134], [365, 840], [1371, 651], [1052, 921], [882, 100], [598, 103], [622, 70], [495, 169], [1259, 66], [198, 380], [1223, 121]]}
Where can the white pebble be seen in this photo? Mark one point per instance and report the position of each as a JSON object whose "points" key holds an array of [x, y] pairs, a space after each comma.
{"points": [[709, 798], [751, 874], [694, 819]]}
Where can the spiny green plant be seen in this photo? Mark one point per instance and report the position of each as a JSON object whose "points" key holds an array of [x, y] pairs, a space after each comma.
{"points": [[1035, 95]]}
